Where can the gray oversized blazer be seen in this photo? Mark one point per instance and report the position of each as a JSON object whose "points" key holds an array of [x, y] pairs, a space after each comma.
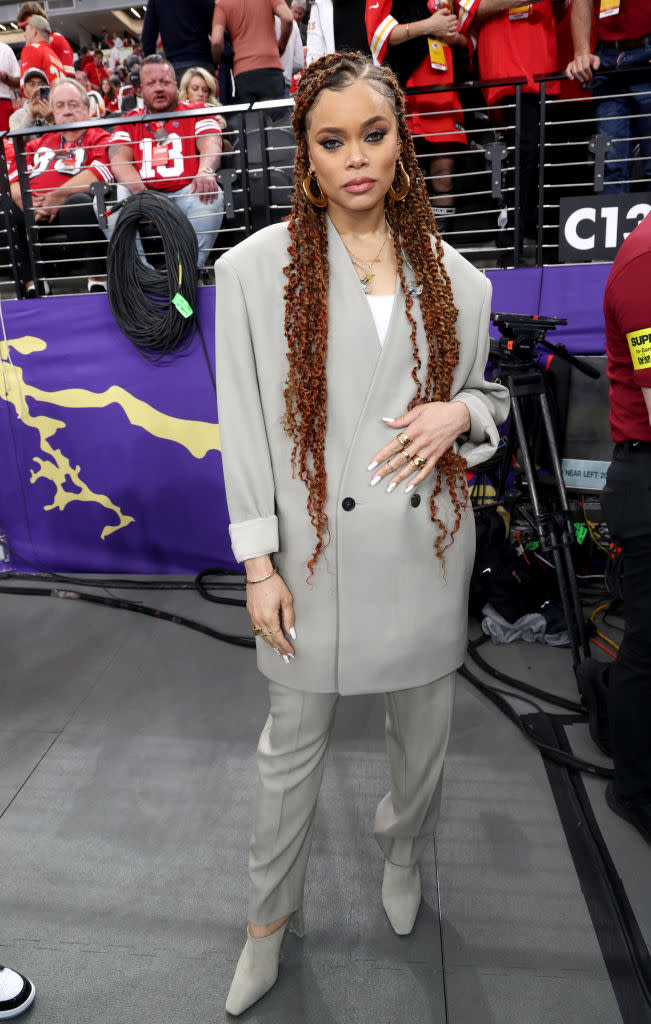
{"points": [[380, 614]]}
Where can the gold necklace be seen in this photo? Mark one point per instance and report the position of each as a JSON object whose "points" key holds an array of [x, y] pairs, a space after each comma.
{"points": [[368, 268]]}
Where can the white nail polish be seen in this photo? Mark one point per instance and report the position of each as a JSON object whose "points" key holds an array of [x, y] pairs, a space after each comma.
{"points": [[389, 419], [291, 656], [375, 480], [292, 632], [373, 466], [286, 659], [391, 487], [409, 488]]}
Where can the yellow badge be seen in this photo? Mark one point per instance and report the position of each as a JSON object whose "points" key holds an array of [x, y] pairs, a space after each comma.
{"points": [[608, 7], [639, 343], [437, 55], [519, 12]]}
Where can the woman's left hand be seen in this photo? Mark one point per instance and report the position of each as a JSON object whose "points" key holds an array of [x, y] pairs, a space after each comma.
{"points": [[432, 428]]}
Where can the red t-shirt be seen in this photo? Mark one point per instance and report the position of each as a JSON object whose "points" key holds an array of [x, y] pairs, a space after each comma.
{"points": [[42, 57], [627, 309], [63, 50], [165, 152], [89, 68], [632, 20], [516, 44], [52, 161]]}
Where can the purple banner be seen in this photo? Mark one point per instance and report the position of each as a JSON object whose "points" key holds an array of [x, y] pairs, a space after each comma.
{"points": [[112, 464]]}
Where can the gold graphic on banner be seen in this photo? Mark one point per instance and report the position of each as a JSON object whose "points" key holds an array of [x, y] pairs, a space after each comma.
{"points": [[197, 436]]}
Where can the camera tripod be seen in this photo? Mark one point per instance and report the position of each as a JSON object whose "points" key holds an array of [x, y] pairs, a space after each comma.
{"points": [[514, 356]]}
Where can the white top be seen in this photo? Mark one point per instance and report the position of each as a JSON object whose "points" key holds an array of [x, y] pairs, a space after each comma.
{"points": [[293, 59], [9, 64], [381, 308]]}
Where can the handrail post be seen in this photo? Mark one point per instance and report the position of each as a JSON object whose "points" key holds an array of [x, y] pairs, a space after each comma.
{"points": [[541, 172], [516, 176]]}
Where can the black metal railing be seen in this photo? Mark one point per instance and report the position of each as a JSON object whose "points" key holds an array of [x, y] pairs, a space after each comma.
{"points": [[490, 181]]}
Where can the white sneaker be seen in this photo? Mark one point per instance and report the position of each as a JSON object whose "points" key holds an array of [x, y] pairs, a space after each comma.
{"points": [[16, 993]]}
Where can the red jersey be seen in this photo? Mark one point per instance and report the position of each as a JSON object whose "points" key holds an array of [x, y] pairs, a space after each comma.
{"points": [[518, 43], [437, 116], [63, 50], [622, 19], [627, 309], [52, 160], [40, 57], [165, 152]]}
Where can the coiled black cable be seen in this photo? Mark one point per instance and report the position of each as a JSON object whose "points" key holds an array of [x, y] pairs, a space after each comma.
{"points": [[148, 304]]}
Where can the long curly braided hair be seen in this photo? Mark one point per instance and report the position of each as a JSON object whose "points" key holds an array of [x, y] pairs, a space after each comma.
{"points": [[412, 227]]}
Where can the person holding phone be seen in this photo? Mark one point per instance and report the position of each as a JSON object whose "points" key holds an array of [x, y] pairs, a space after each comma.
{"points": [[36, 109]]}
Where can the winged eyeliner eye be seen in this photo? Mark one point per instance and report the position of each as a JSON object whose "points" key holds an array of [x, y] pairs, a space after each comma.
{"points": [[375, 135]]}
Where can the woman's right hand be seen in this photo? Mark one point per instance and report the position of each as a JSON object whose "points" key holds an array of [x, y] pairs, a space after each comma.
{"points": [[442, 24], [271, 606]]}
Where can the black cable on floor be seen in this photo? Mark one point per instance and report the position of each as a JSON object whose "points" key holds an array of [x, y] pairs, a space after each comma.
{"points": [[132, 606], [551, 753], [518, 684]]}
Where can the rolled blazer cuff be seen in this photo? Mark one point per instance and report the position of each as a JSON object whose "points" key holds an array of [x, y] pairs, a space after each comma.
{"points": [[254, 537], [481, 441]]}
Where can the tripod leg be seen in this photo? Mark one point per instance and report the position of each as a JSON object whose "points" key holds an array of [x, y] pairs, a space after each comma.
{"points": [[546, 526], [567, 539]]}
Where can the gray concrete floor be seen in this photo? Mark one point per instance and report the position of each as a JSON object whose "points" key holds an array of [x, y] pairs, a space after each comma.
{"points": [[126, 784]]}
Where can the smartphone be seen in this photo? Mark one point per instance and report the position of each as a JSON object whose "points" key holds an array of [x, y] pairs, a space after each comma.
{"points": [[43, 92]]}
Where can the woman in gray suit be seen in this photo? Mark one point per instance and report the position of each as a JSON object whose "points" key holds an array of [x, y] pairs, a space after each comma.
{"points": [[351, 347]]}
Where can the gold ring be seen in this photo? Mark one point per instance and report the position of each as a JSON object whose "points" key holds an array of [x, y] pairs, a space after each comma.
{"points": [[267, 634], [417, 461], [257, 631], [406, 455], [403, 439]]}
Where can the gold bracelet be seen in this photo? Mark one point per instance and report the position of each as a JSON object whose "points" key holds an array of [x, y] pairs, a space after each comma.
{"points": [[205, 170], [263, 578]]}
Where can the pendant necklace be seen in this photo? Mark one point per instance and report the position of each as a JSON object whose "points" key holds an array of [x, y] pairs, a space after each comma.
{"points": [[368, 267]]}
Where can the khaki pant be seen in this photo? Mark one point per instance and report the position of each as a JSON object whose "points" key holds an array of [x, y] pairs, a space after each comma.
{"points": [[291, 759]]}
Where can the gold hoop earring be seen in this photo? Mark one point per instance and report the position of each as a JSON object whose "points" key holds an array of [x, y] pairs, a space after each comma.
{"points": [[398, 194], [309, 181]]}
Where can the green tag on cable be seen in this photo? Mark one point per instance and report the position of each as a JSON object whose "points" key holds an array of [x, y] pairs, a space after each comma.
{"points": [[581, 532], [533, 545], [183, 306]]}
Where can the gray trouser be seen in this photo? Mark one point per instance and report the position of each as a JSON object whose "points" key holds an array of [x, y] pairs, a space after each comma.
{"points": [[291, 759]]}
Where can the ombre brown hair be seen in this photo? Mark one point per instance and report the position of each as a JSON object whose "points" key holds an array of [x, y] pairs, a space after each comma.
{"points": [[306, 300]]}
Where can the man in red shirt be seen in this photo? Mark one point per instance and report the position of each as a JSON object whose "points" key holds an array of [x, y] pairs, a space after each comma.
{"points": [[518, 40], [622, 102], [179, 158], [257, 67], [37, 52], [61, 167], [57, 42], [621, 692]]}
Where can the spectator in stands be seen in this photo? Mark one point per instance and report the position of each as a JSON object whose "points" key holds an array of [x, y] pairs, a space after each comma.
{"points": [[89, 67], [293, 57], [16, 993], [337, 25], [9, 81], [520, 42], [419, 51], [59, 43], [102, 73], [37, 53], [184, 30], [114, 57], [131, 94], [178, 158], [199, 86], [110, 96], [36, 109], [258, 69], [622, 102], [62, 166], [299, 10]]}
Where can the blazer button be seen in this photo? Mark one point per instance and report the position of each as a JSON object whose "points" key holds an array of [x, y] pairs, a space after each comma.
{"points": [[415, 500], [348, 504]]}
